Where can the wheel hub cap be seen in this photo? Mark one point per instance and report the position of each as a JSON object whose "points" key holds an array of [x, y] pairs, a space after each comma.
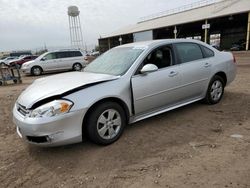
{"points": [[216, 90], [109, 124]]}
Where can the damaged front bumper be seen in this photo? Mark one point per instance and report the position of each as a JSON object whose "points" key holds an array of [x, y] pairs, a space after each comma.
{"points": [[51, 131]]}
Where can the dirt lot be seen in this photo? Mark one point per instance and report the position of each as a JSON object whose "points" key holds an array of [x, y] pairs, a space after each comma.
{"points": [[188, 147]]}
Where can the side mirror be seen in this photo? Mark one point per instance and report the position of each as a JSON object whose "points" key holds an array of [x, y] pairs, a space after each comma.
{"points": [[148, 68], [44, 59]]}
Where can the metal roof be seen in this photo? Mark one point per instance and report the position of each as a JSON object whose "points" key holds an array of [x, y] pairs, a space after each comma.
{"points": [[220, 9]]}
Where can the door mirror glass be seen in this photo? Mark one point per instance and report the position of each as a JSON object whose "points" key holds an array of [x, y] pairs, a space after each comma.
{"points": [[148, 68], [44, 59]]}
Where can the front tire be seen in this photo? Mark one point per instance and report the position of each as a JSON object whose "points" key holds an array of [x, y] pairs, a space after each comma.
{"points": [[106, 123], [215, 90], [36, 71]]}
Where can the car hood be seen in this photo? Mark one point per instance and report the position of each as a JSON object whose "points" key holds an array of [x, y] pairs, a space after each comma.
{"points": [[61, 84], [28, 62], [14, 60]]}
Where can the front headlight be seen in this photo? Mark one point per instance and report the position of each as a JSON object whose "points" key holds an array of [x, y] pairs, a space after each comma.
{"points": [[54, 108], [25, 65]]}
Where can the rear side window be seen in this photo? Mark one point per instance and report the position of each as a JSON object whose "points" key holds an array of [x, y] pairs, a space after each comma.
{"points": [[72, 53], [207, 52], [67, 54], [76, 53], [62, 54], [188, 52]]}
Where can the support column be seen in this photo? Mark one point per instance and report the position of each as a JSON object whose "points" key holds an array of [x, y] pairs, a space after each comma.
{"points": [[109, 42], [248, 32], [205, 37], [120, 40], [70, 32], [175, 32]]}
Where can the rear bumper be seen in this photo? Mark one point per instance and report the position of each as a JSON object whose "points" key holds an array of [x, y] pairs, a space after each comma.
{"points": [[232, 71], [53, 131]]}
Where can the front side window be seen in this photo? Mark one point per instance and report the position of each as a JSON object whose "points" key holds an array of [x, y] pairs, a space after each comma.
{"points": [[115, 61], [188, 52], [161, 57], [27, 57], [50, 56]]}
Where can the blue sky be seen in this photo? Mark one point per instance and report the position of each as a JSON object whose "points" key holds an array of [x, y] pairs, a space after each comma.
{"points": [[30, 24]]}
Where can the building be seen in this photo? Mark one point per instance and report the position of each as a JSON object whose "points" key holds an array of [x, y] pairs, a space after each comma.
{"points": [[15, 53], [224, 23]]}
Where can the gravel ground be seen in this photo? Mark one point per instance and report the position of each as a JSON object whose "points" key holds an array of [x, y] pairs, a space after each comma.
{"points": [[188, 147]]}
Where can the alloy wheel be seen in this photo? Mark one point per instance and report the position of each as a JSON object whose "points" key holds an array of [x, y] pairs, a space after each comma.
{"points": [[216, 90], [109, 124]]}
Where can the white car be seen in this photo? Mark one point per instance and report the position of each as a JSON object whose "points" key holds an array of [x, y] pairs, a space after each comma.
{"points": [[55, 61], [7, 60], [124, 85]]}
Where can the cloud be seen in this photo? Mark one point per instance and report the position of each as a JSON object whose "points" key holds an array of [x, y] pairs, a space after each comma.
{"points": [[31, 23]]}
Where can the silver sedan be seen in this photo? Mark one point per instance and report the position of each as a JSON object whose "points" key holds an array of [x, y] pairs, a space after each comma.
{"points": [[124, 85]]}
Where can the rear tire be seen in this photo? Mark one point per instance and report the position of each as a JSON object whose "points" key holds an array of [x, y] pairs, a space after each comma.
{"points": [[106, 123], [215, 90], [77, 67], [36, 71]]}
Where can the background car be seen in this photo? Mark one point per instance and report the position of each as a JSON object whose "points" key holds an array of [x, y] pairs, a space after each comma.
{"points": [[238, 46], [8, 59], [21, 60], [55, 61]]}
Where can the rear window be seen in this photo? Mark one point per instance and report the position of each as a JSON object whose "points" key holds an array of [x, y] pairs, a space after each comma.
{"points": [[188, 52], [207, 52]]}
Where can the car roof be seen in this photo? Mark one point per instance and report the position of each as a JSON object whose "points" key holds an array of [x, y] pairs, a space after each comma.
{"points": [[153, 43], [65, 50]]}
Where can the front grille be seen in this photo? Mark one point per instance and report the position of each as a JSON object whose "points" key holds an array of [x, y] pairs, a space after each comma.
{"points": [[22, 110]]}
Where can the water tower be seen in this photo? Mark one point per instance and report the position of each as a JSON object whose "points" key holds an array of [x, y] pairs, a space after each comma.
{"points": [[75, 28]]}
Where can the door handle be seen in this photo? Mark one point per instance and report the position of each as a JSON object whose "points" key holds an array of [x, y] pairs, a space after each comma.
{"points": [[172, 74], [207, 65]]}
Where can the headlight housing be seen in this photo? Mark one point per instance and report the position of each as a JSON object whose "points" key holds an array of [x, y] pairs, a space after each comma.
{"points": [[54, 108]]}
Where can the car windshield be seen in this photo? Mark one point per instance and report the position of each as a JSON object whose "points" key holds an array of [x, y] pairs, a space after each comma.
{"points": [[115, 62]]}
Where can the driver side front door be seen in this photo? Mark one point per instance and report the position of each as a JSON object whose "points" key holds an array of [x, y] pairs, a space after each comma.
{"points": [[156, 90]]}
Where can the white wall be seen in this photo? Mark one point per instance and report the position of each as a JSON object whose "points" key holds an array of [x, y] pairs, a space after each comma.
{"points": [[143, 36]]}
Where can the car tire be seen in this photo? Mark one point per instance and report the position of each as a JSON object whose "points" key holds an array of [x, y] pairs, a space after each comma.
{"points": [[36, 71], [77, 67], [215, 90], [106, 123]]}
